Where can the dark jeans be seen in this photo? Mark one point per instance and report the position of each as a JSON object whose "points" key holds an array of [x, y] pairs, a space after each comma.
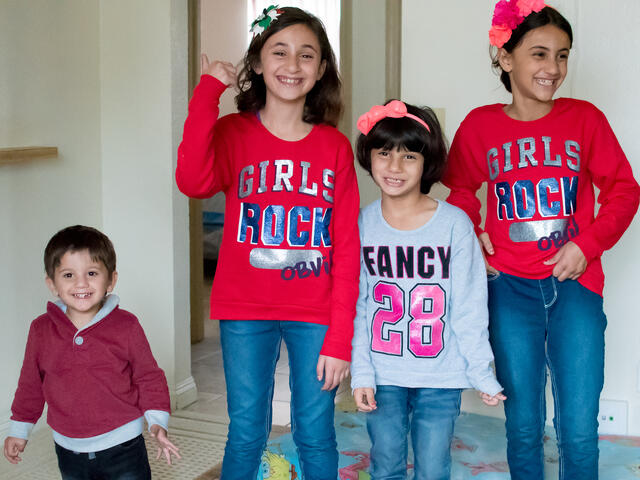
{"points": [[535, 324], [127, 461]]}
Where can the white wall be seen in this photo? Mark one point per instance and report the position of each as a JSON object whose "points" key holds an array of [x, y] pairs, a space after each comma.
{"points": [[49, 95], [105, 82], [143, 51], [445, 63], [223, 37], [607, 73]]}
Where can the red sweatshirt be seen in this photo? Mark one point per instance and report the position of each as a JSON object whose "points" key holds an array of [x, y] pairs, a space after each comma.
{"points": [[540, 191], [290, 247], [93, 384]]}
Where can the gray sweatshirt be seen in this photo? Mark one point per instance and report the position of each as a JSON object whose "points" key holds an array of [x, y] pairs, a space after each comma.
{"points": [[421, 318]]}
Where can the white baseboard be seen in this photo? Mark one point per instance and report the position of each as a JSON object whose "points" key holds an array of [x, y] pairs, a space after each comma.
{"points": [[186, 393]]}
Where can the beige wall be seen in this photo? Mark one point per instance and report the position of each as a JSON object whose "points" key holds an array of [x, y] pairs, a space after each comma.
{"points": [[105, 82], [445, 63]]}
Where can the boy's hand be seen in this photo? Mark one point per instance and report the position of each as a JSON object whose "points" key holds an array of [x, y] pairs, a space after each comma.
{"points": [[13, 447], [492, 401], [223, 71], [165, 447], [569, 262], [365, 399], [333, 370]]}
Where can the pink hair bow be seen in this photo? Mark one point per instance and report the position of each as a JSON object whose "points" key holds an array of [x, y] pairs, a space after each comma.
{"points": [[393, 109]]}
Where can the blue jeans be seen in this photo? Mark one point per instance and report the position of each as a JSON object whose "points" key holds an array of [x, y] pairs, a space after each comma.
{"points": [[429, 414], [535, 324], [127, 461], [250, 350]]}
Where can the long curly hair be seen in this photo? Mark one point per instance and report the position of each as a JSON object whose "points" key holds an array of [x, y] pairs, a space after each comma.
{"points": [[323, 103]]}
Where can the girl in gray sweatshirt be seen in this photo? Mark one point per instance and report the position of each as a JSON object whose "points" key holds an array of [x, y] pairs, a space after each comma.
{"points": [[420, 332]]}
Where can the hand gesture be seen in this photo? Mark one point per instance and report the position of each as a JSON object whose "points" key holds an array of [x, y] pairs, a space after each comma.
{"points": [[492, 401], [365, 399], [165, 447], [13, 447], [487, 249], [333, 370], [223, 71], [569, 262]]}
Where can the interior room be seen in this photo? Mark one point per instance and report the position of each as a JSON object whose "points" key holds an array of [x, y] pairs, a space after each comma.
{"points": [[93, 98]]}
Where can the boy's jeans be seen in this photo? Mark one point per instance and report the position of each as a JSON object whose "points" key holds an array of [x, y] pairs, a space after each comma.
{"points": [[430, 415], [250, 351], [539, 323], [127, 461]]}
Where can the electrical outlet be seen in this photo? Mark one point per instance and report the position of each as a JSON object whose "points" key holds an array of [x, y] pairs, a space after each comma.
{"points": [[612, 417]]}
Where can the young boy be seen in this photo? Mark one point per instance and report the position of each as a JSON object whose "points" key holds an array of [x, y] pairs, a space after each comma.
{"points": [[91, 362]]}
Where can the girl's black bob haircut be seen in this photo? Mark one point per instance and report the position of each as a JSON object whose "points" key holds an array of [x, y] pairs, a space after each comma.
{"points": [[546, 16], [324, 102], [407, 134]]}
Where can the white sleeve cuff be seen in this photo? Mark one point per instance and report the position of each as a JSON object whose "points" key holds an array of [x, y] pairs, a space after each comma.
{"points": [[20, 429], [157, 417]]}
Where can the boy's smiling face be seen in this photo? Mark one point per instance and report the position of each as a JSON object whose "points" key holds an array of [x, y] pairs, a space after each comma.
{"points": [[81, 283]]}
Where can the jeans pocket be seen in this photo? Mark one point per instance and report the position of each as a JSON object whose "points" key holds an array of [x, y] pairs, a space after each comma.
{"points": [[493, 276]]}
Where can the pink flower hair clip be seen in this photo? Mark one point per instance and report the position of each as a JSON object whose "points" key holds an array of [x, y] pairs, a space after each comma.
{"points": [[393, 109], [507, 16]]}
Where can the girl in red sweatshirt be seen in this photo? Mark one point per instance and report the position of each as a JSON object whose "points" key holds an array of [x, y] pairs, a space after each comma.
{"points": [[541, 159], [289, 261]]}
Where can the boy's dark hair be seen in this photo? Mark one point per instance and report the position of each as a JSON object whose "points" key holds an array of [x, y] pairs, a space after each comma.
{"points": [[407, 134], [73, 239], [324, 102], [546, 16]]}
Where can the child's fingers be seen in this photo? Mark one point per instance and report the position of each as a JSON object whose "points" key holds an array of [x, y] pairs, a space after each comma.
{"points": [[204, 63], [320, 367], [331, 379], [172, 448], [371, 399], [485, 243], [361, 404]]}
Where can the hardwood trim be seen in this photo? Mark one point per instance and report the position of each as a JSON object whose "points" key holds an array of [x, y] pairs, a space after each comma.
{"points": [[346, 65], [196, 269], [393, 53], [21, 154]]}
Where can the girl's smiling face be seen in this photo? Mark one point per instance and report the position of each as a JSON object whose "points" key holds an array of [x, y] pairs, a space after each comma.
{"points": [[538, 65], [397, 172], [291, 63]]}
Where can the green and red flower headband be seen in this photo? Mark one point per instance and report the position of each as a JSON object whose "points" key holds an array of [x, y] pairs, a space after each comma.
{"points": [[393, 109], [263, 21], [508, 15]]}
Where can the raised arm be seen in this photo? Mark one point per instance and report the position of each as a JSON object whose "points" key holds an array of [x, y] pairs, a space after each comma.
{"points": [[197, 173]]}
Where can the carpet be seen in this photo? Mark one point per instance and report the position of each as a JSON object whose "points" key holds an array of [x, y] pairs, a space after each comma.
{"points": [[478, 452]]}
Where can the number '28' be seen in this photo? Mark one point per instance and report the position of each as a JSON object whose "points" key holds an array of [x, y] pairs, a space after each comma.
{"points": [[426, 307]]}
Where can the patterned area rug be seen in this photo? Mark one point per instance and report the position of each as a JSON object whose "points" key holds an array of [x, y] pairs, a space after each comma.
{"points": [[478, 452]]}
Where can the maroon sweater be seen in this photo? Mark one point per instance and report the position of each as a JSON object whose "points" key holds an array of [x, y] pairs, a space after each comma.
{"points": [[108, 380]]}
